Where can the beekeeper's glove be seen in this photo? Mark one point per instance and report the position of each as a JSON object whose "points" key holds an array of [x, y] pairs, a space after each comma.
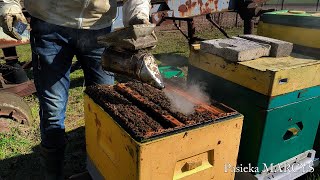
{"points": [[10, 15], [136, 12]]}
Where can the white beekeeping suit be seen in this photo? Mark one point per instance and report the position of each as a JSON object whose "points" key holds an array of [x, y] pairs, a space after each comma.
{"points": [[9, 6], [135, 10], [79, 14]]}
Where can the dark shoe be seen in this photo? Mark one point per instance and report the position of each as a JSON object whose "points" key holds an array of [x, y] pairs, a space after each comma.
{"points": [[52, 163]]}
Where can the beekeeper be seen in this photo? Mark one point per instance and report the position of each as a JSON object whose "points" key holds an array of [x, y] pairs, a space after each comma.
{"points": [[60, 30]]}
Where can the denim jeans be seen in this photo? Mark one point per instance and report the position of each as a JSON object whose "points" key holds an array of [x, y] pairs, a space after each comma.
{"points": [[53, 48]]}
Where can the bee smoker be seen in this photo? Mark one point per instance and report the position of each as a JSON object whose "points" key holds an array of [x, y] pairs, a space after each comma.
{"points": [[128, 53]]}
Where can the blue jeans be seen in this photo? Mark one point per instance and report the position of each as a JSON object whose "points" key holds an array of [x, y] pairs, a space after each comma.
{"points": [[53, 48]]}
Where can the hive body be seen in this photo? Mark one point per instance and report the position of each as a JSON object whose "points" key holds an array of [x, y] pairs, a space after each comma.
{"points": [[279, 98], [198, 152], [301, 29]]}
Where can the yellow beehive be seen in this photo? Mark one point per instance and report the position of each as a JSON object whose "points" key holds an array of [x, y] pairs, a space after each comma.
{"points": [[201, 153], [297, 35], [267, 75], [299, 27]]}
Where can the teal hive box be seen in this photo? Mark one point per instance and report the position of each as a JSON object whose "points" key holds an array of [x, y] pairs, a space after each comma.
{"points": [[276, 128], [300, 28]]}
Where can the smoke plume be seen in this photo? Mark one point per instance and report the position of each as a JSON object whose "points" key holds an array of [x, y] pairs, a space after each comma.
{"points": [[183, 105]]}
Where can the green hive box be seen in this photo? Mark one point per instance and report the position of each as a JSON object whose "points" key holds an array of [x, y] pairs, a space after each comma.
{"points": [[280, 116], [300, 28]]}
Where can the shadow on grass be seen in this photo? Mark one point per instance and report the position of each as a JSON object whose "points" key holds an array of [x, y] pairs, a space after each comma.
{"points": [[76, 82], [27, 167], [172, 59]]}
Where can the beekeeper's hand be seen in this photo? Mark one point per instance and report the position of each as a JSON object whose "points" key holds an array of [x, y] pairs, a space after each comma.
{"points": [[136, 12], [10, 15], [139, 20]]}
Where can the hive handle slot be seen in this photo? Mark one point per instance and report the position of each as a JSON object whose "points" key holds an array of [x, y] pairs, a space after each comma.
{"points": [[194, 164], [283, 81], [293, 131], [191, 165]]}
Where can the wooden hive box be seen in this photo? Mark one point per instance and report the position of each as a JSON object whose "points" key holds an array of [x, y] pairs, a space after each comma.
{"points": [[279, 98], [199, 152]]}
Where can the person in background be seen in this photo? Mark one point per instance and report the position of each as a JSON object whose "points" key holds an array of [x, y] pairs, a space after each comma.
{"points": [[61, 30]]}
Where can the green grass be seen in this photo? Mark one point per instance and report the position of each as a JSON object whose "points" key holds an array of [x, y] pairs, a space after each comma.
{"points": [[13, 144], [24, 53], [174, 42], [19, 148]]}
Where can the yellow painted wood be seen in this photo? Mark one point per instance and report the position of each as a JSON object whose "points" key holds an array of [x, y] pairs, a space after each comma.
{"points": [[202, 153], [297, 35], [111, 149], [267, 75]]}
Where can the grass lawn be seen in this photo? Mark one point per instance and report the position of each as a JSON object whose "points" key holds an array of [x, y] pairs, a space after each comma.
{"points": [[19, 148]]}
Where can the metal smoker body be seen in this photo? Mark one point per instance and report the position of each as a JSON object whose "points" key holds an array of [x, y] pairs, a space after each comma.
{"points": [[127, 53]]}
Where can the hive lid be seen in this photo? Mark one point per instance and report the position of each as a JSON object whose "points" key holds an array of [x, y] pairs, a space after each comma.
{"points": [[268, 76], [287, 18]]}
